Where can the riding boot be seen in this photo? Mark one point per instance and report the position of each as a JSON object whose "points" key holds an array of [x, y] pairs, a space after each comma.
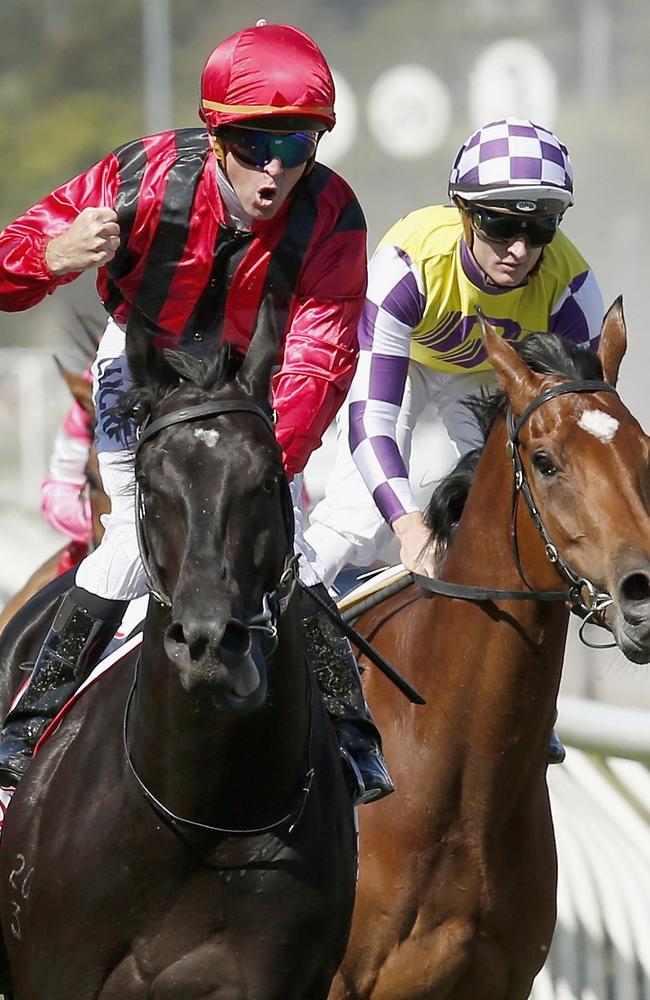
{"points": [[82, 628], [337, 674]]}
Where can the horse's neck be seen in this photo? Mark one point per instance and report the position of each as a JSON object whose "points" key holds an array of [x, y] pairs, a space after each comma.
{"points": [[196, 758], [497, 664]]}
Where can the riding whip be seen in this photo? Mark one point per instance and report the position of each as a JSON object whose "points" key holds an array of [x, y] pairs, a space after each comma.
{"points": [[364, 647]]}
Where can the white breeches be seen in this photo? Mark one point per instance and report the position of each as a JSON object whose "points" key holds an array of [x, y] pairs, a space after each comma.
{"points": [[114, 569], [346, 527]]}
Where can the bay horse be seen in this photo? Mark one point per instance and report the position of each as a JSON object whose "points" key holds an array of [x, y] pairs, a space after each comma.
{"points": [[456, 895], [72, 553], [187, 832]]}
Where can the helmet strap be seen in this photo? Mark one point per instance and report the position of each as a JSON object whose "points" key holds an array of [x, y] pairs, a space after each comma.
{"points": [[468, 231], [219, 150]]}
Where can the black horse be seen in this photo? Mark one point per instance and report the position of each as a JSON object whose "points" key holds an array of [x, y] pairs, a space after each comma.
{"points": [[187, 832]]}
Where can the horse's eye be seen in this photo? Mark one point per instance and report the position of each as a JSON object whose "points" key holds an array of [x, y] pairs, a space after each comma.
{"points": [[270, 483], [544, 464]]}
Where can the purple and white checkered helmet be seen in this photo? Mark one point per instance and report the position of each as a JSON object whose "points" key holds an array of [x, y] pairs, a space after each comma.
{"points": [[515, 164]]}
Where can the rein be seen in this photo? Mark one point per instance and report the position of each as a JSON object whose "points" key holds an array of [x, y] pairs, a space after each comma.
{"points": [[596, 600], [289, 819]]}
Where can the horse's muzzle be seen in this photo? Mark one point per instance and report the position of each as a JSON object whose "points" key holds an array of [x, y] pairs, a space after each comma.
{"points": [[629, 618], [222, 660]]}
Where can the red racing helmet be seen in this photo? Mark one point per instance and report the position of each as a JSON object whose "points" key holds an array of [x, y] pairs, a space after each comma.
{"points": [[269, 71]]}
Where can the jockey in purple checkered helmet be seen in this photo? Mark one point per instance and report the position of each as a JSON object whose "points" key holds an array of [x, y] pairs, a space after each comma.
{"points": [[511, 182], [513, 165]]}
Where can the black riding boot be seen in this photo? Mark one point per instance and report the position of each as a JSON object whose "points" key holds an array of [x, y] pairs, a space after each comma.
{"points": [[82, 628], [338, 678]]}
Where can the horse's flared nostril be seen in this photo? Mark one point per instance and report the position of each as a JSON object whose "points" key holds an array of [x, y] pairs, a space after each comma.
{"points": [[235, 643], [194, 638], [634, 595], [230, 643], [175, 633], [636, 587]]}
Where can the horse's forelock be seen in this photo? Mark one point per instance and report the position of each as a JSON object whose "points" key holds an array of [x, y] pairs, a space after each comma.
{"points": [[544, 353], [207, 374]]}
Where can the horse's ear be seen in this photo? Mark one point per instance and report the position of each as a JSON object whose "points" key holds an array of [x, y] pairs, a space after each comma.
{"points": [[516, 379], [255, 373], [148, 365], [79, 386], [613, 341]]}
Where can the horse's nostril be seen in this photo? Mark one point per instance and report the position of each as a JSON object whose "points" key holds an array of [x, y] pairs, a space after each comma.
{"points": [[196, 640], [236, 642], [635, 588], [175, 632], [233, 643]]}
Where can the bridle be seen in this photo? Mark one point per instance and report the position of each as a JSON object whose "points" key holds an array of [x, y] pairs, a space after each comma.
{"points": [[584, 598], [596, 600], [274, 602]]}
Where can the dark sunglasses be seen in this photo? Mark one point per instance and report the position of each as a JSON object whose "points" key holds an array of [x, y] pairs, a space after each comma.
{"points": [[501, 228], [255, 148]]}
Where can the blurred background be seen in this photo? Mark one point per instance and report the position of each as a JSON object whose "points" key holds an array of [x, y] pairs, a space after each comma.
{"points": [[413, 77]]}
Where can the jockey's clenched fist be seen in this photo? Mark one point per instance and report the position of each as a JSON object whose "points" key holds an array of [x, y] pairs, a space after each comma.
{"points": [[91, 241]]}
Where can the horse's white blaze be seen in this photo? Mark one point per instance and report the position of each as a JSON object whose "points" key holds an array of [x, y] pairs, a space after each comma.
{"points": [[600, 424], [209, 437]]}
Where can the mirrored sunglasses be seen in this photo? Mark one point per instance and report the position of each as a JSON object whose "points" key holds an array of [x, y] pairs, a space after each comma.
{"points": [[255, 148], [499, 227]]}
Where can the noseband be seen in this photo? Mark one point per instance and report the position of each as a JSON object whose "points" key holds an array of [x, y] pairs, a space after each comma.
{"points": [[595, 601], [274, 602]]}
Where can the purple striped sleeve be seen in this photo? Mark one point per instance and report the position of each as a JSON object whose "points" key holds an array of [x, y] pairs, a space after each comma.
{"points": [[578, 313]]}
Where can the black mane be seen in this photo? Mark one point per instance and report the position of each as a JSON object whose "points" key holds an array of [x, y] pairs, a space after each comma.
{"points": [[545, 353]]}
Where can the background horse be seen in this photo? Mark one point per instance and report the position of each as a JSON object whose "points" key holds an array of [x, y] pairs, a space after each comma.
{"points": [[187, 832], [70, 554], [456, 897]]}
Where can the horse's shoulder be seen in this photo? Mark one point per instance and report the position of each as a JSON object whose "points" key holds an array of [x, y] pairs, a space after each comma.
{"points": [[378, 619]]}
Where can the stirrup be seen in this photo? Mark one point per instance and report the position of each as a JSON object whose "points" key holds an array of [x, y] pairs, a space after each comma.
{"points": [[556, 750], [376, 783]]}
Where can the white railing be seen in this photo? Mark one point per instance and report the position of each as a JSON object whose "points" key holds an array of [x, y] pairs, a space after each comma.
{"points": [[601, 813], [605, 730]]}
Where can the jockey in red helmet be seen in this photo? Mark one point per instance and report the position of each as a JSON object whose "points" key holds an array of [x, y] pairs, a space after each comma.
{"points": [[267, 94], [272, 72], [190, 227]]}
